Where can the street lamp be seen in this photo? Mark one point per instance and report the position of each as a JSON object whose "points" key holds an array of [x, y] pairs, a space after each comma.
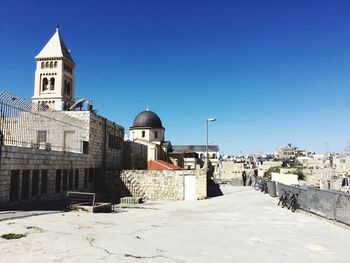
{"points": [[206, 146]]}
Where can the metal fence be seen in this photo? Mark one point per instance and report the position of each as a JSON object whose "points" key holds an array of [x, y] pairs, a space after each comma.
{"points": [[330, 204], [25, 124]]}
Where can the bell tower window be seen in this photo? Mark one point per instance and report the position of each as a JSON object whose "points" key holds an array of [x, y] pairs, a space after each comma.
{"points": [[52, 83], [42, 64], [45, 83]]}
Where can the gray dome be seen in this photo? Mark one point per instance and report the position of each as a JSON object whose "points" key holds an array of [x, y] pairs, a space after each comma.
{"points": [[147, 119]]}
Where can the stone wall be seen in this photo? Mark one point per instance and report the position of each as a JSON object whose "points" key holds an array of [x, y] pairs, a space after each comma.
{"points": [[135, 155], [162, 185], [22, 160]]}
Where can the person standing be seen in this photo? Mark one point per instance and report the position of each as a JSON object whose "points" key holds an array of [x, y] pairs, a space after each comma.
{"points": [[244, 178]]}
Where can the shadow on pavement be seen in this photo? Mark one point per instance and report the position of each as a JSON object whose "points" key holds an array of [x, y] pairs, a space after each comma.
{"points": [[213, 189]]}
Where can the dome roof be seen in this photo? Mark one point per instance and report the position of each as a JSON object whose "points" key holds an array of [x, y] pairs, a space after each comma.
{"points": [[147, 119]]}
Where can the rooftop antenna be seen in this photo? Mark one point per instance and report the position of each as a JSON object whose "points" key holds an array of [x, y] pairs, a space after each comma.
{"points": [[147, 108]]}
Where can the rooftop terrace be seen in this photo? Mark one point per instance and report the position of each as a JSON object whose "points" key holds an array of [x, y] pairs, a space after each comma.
{"points": [[241, 226]]}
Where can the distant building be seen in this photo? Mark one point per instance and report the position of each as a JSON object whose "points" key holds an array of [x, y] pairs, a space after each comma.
{"points": [[193, 156], [148, 130]]}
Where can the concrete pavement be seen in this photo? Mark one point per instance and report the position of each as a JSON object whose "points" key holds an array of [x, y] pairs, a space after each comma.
{"points": [[241, 226]]}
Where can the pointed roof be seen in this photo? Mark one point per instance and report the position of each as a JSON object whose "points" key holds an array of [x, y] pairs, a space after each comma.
{"points": [[55, 48]]}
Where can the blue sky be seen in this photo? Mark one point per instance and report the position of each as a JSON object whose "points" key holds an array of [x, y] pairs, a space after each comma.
{"points": [[271, 72]]}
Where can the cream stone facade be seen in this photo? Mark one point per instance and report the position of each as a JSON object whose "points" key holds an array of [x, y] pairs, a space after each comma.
{"points": [[54, 85], [148, 130]]}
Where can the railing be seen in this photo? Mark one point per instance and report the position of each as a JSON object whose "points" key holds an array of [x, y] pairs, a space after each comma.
{"points": [[25, 124], [330, 204]]}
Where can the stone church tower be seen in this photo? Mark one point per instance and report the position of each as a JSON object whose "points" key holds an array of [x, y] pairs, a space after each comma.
{"points": [[54, 76]]}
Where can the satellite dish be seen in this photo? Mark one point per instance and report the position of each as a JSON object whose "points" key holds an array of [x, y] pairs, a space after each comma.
{"points": [[76, 104]]}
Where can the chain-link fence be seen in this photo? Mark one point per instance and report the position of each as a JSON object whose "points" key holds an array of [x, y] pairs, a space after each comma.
{"points": [[25, 124]]}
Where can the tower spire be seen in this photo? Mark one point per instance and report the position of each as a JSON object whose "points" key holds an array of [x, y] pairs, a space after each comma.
{"points": [[57, 27]]}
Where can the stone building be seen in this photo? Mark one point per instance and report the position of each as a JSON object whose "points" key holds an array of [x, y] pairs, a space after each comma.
{"points": [[148, 130], [193, 156], [54, 76], [48, 147]]}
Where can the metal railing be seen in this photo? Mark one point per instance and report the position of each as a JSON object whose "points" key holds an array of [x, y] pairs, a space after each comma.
{"points": [[26, 124], [330, 204]]}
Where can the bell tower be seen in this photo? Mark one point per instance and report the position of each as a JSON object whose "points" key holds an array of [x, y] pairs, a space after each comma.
{"points": [[54, 85]]}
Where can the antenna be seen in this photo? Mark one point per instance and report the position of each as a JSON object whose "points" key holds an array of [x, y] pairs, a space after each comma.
{"points": [[76, 104]]}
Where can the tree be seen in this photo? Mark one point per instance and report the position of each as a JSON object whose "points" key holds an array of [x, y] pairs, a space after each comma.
{"points": [[268, 173]]}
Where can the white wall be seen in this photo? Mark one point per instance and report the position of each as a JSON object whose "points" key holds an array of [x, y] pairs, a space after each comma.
{"points": [[287, 179]]}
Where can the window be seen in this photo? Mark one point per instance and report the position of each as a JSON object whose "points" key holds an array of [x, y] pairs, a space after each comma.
{"points": [[214, 156], [43, 188], [155, 134], [51, 64], [25, 184], [86, 171], [143, 134], [45, 83], [91, 175], [35, 183], [58, 181], [41, 137], [76, 179], [69, 140], [64, 180], [42, 64], [52, 83], [70, 180], [47, 64], [55, 64], [14, 185], [85, 147]]}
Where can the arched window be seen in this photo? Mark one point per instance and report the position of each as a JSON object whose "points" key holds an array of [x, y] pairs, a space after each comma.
{"points": [[52, 83], [45, 83], [143, 134], [65, 87], [68, 88], [42, 64], [55, 64], [51, 64], [47, 64]]}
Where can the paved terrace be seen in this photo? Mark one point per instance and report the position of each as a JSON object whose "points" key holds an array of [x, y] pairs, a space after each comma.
{"points": [[241, 226]]}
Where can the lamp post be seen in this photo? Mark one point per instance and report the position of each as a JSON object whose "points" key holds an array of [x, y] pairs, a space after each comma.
{"points": [[206, 146]]}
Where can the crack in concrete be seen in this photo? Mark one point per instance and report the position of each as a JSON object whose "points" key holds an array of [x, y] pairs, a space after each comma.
{"points": [[151, 257], [91, 240]]}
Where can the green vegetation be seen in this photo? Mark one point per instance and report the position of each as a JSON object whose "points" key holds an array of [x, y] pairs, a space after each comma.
{"points": [[275, 169], [13, 236]]}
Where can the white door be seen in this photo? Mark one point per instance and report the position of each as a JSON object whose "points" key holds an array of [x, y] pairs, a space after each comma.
{"points": [[190, 187]]}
